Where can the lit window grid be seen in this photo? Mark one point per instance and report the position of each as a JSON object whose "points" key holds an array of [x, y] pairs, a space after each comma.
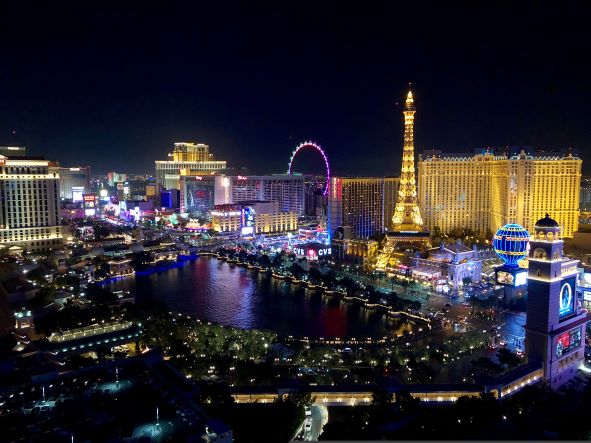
{"points": [[365, 204], [483, 192], [29, 210]]}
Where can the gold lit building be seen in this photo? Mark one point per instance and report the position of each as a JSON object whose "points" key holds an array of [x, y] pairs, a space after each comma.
{"points": [[192, 158], [29, 204], [226, 218], [484, 191], [191, 152], [277, 222], [252, 218]]}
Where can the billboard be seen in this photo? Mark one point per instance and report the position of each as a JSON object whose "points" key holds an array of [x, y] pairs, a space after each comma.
{"points": [[89, 201], [247, 231], [567, 341], [517, 277], [77, 193], [521, 278], [104, 195], [248, 216], [567, 298], [89, 204], [199, 196], [505, 278]]}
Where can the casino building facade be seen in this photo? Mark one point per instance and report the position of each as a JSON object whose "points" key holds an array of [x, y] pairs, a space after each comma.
{"points": [[485, 190]]}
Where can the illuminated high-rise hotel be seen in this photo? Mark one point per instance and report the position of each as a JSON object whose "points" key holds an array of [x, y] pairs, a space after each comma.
{"points": [[29, 204], [74, 182], [192, 158], [361, 203], [286, 189], [484, 191]]}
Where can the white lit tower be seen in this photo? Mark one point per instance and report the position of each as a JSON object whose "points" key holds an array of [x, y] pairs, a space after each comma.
{"points": [[555, 327]]}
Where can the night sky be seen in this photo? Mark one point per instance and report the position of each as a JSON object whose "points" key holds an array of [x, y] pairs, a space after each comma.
{"points": [[114, 85]]}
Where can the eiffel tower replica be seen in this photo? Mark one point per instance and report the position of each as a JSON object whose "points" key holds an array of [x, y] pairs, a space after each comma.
{"points": [[407, 224]]}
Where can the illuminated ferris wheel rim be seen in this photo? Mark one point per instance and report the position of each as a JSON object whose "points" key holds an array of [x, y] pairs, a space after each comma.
{"points": [[317, 147]]}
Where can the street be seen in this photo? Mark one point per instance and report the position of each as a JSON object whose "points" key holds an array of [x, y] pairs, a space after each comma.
{"points": [[314, 423], [512, 330]]}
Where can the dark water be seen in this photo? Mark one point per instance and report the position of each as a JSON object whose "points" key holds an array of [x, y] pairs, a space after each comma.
{"points": [[214, 290]]}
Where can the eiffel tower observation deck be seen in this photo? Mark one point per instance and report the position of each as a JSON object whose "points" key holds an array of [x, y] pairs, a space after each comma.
{"points": [[407, 223]]}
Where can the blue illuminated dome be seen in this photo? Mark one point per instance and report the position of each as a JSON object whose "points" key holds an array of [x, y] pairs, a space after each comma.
{"points": [[510, 243]]}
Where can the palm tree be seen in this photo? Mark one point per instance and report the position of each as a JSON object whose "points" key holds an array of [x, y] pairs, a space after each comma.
{"points": [[314, 276], [297, 271], [264, 261]]}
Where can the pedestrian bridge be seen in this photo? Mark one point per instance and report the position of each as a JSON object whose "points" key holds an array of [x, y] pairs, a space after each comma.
{"points": [[363, 394], [358, 396]]}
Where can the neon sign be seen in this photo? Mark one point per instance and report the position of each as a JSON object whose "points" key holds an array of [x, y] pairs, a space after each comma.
{"points": [[311, 252]]}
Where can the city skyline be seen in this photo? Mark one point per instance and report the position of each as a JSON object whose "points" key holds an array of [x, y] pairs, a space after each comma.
{"points": [[294, 222], [84, 87]]}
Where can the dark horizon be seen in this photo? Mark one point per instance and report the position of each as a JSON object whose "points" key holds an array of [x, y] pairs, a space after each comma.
{"points": [[115, 87]]}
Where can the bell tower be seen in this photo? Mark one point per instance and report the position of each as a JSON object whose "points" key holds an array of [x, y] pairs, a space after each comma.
{"points": [[555, 329]]}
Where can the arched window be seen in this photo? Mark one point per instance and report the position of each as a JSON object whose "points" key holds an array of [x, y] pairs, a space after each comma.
{"points": [[540, 254]]}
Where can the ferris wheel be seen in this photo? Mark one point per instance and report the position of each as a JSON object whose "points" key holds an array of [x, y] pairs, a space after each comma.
{"points": [[321, 183]]}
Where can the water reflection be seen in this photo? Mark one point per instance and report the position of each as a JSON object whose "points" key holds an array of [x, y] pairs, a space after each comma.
{"points": [[214, 290]]}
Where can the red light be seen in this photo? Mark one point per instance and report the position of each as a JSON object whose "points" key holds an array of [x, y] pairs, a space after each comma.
{"points": [[311, 252]]}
